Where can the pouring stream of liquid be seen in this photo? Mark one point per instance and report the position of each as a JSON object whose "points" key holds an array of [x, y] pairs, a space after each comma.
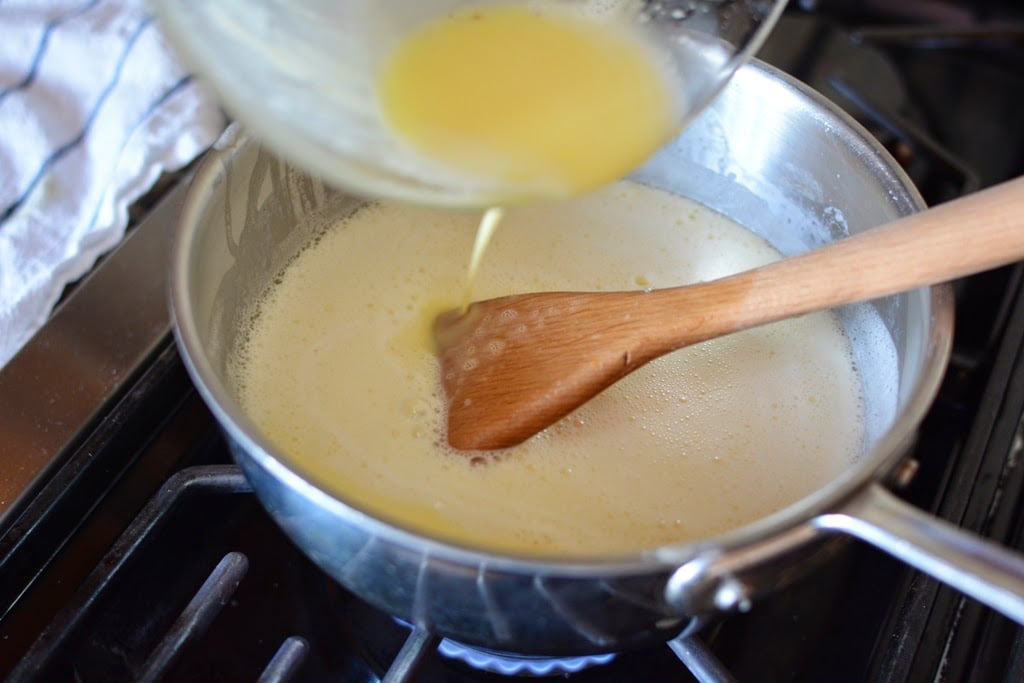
{"points": [[514, 365], [488, 224]]}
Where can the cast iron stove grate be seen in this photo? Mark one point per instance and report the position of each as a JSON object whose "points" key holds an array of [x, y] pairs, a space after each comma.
{"points": [[243, 605]]}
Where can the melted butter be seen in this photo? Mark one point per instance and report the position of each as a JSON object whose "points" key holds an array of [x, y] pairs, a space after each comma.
{"points": [[699, 442], [484, 234], [549, 102], [418, 335]]}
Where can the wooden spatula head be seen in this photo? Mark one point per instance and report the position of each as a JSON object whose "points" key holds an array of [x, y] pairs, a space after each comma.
{"points": [[504, 365]]}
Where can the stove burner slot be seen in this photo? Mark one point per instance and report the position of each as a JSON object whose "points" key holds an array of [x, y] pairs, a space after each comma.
{"points": [[701, 662], [197, 616], [420, 643], [286, 662]]}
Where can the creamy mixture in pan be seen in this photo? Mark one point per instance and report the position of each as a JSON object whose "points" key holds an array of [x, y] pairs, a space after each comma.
{"points": [[337, 370]]}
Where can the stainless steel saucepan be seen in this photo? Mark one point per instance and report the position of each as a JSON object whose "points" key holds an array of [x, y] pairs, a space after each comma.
{"points": [[769, 153]]}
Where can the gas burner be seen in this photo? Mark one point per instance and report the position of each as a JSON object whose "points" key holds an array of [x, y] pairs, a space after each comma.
{"points": [[519, 665], [512, 663]]}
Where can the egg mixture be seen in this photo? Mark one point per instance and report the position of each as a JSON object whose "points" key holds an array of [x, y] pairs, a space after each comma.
{"points": [[338, 372]]}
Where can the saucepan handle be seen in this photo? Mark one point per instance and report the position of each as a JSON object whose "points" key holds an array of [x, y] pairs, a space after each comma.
{"points": [[977, 567]]}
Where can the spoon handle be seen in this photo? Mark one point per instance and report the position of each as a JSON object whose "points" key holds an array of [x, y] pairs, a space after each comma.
{"points": [[978, 232]]}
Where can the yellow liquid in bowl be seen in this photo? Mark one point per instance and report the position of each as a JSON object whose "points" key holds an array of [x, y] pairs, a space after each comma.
{"points": [[549, 103], [338, 371]]}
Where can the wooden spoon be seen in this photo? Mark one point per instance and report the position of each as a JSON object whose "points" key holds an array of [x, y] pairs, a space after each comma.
{"points": [[514, 365]]}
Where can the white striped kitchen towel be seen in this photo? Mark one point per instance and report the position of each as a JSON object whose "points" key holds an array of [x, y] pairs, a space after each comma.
{"points": [[94, 106]]}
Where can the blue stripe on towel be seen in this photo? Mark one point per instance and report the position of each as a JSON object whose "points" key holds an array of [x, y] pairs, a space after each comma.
{"points": [[58, 153], [44, 41], [154, 105]]}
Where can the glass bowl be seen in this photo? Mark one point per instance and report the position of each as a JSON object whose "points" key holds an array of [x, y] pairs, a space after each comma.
{"points": [[302, 75]]}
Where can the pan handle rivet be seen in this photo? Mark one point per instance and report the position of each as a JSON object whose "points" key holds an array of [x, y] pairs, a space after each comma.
{"points": [[732, 594]]}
